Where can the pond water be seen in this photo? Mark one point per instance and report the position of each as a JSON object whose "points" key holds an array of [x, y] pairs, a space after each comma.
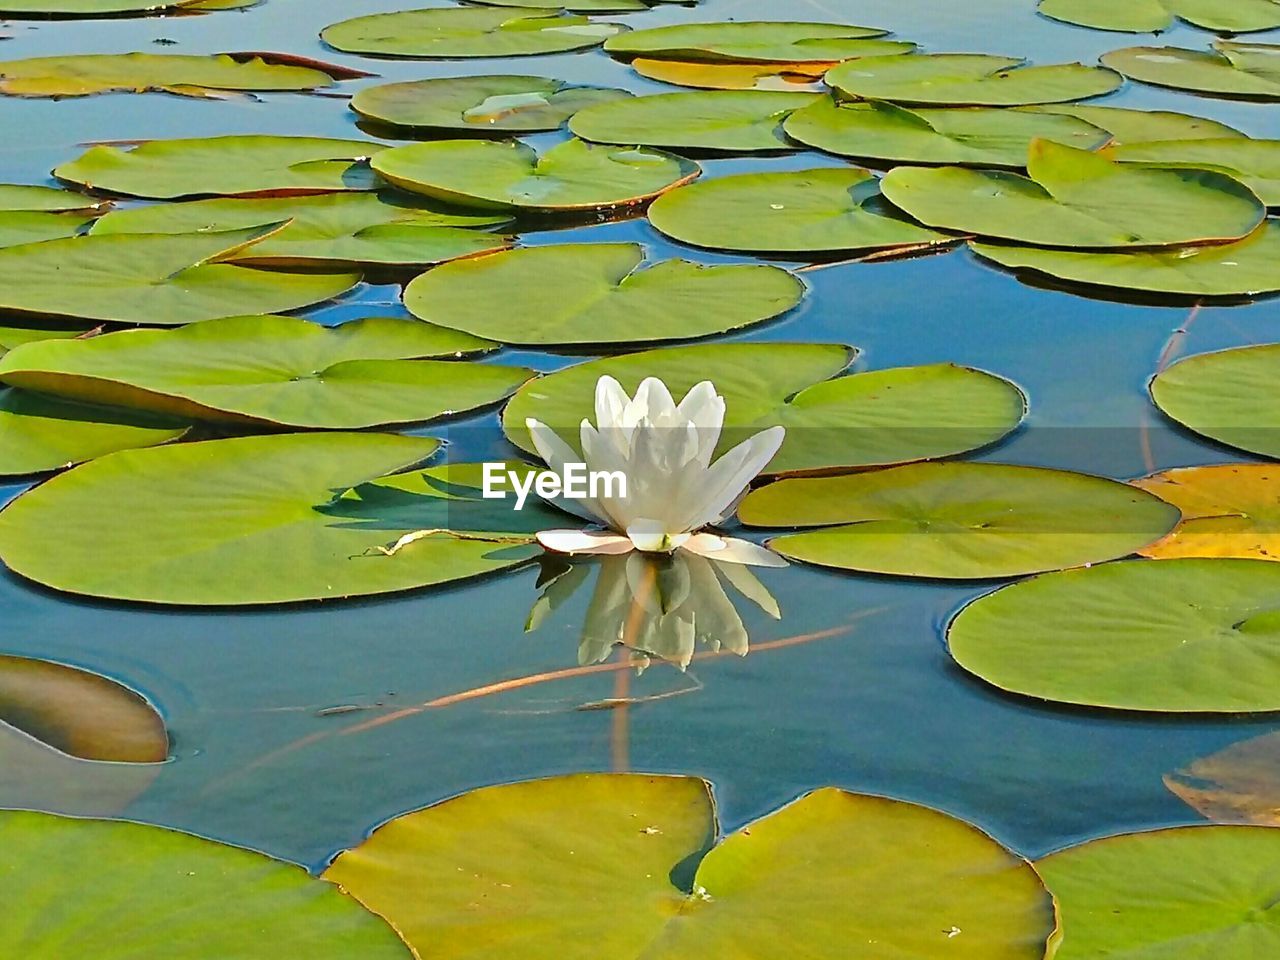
{"points": [[872, 703]]}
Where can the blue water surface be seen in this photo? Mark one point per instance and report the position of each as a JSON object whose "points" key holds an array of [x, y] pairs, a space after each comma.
{"points": [[259, 759]]}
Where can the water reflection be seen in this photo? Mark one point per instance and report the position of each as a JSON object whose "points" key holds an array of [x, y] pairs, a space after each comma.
{"points": [[658, 607]]}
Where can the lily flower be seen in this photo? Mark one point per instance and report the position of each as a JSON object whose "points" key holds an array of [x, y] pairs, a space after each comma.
{"points": [[673, 490]]}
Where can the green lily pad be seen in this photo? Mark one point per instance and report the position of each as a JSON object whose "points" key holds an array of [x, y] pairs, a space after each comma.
{"points": [[1154, 16], [1245, 70], [737, 120], [15, 197], [14, 336], [280, 370], [40, 433], [262, 520], [1169, 636], [225, 166], [586, 6], [969, 79], [150, 278], [962, 135], [1255, 163], [1196, 893], [866, 419], [959, 520], [80, 714], [803, 211], [510, 175], [480, 104], [344, 229], [1228, 396], [454, 33], [1073, 198], [755, 41], [198, 898], [592, 293], [36, 227], [1143, 126], [1242, 269], [92, 8], [497, 866], [198, 76]]}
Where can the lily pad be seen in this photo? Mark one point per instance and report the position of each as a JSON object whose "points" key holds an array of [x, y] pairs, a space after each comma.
{"points": [[39, 433], [1073, 198], [343, 229], [198, 898], [1245, 70], [734, 76], [592, 293], [480, 104], [1155, 16], [1228, 396], [803, 211], [14, 336], [755, 41], [1143, 126], [80, 714], [964, 135], [731, 120], [1240, 784], [193, 76], [1241, 269], [1228, 510], [969, 79], [1168, 636], [279, 370], [866, 419], [21, 197], [36, 227], [586, 6], [1195, 893], [225, 166], [1255, 163], [154, 278], [497, 866], [509, 175], [456, 33], [94, 8], [958, 520], [263, 520]]}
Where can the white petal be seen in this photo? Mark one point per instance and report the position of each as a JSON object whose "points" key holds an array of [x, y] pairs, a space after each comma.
{"points": [[550, 447], [584, 541], [704, 409], [557, 453], [731, 474], [654, 401], [732, 550], [602, 457], [611, 400]]}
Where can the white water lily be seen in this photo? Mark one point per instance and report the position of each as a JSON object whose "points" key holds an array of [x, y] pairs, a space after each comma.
{"points": [[673, 489]]}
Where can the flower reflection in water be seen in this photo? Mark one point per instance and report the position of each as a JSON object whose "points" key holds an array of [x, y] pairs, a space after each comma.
{"points": [[658, 606]]}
